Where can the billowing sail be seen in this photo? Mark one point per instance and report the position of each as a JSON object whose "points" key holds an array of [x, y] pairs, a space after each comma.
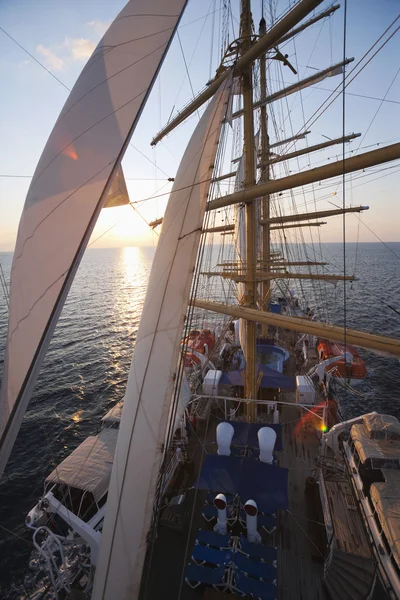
{"points": [[69, 188], [154, 366], [118, 193]]}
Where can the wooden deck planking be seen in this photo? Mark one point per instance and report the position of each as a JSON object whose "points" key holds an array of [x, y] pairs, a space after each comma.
{"points": [[299, 576], [346, 520]]}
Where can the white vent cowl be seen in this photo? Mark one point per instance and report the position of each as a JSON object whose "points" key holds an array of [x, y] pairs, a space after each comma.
{"points": [[225, 433], [266, 440]]}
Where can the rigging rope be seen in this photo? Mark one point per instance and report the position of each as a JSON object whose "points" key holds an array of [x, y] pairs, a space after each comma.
{"points": [[186, 68], [212, 42], [310, 122], [68, 89], [344, 179]]}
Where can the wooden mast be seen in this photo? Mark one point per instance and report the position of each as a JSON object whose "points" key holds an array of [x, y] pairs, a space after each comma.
{"points": [[250, 210], [378, 343], [280, 29], [348, 165], [265, 154]]}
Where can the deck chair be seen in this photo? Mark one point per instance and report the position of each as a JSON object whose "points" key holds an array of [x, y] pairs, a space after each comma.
{"points": [[195, 575], [247, 586], [211, 512], [266, 522], [205, 554], [210, 538], [265, 553], [255, 568]]}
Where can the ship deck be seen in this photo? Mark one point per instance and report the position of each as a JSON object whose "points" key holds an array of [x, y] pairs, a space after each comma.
{"points": [[299, 536], [300, 533]]}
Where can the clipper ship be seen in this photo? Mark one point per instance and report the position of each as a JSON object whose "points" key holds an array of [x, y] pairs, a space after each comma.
{"points": [[226, 470]]}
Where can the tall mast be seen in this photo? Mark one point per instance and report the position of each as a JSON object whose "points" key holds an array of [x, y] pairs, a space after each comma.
{"points": [[250, 209], [266, 228]]}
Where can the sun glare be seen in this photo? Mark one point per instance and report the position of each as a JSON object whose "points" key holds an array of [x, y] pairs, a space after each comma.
{"points": [[121, 226]]}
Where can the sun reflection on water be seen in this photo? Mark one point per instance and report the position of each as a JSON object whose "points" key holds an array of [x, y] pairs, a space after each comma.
{"points": [[129, 288], [132, 256], [77, 417]]}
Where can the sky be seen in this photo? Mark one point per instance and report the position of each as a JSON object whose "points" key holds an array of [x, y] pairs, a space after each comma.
{"points": [[62, 34]]}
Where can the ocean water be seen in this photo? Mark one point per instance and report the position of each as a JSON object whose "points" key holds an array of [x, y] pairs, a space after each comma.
{"points": [[87, 364]]}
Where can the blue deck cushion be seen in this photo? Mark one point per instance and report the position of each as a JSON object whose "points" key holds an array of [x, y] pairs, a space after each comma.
{"points": [[259, 589], [271, 379], [205, 574], [211, 512], [254, 568], [266, 521], [211, 555], [245, 434], [267, 553], [263, 483], [210, 538]]}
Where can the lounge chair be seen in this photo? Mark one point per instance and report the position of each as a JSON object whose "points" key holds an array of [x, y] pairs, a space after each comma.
{"points": [[210, 538], [211, 512], [265, 553], [195, 575], [266, 522], [205, 554], [255, 568], [249, 586]]}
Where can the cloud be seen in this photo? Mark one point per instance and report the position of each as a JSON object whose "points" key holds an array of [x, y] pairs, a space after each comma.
{"points": [[53, 62], [80, 49], [23, 63], [99, 26], [71, 50]]}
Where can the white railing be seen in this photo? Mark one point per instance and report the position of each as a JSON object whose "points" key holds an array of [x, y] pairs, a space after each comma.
{"points": [[58, 574]]}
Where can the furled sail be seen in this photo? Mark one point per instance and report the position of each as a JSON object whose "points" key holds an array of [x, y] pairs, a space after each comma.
{"points": [[154, 366], [185, 395], [118, 192], [240, 238], [240, 247], [69, 188]]}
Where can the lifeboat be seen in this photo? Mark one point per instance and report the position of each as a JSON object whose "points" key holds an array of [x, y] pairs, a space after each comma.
{"points": [[191, 360], [200, 341], [353, 373]]}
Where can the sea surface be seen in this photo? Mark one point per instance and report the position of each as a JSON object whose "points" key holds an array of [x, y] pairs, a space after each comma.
{"points": [[87, 364]]}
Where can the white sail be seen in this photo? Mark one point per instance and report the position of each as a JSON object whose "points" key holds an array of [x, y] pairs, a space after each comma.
{"points": [[118, 192], [69, 188], [154, 366]]}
